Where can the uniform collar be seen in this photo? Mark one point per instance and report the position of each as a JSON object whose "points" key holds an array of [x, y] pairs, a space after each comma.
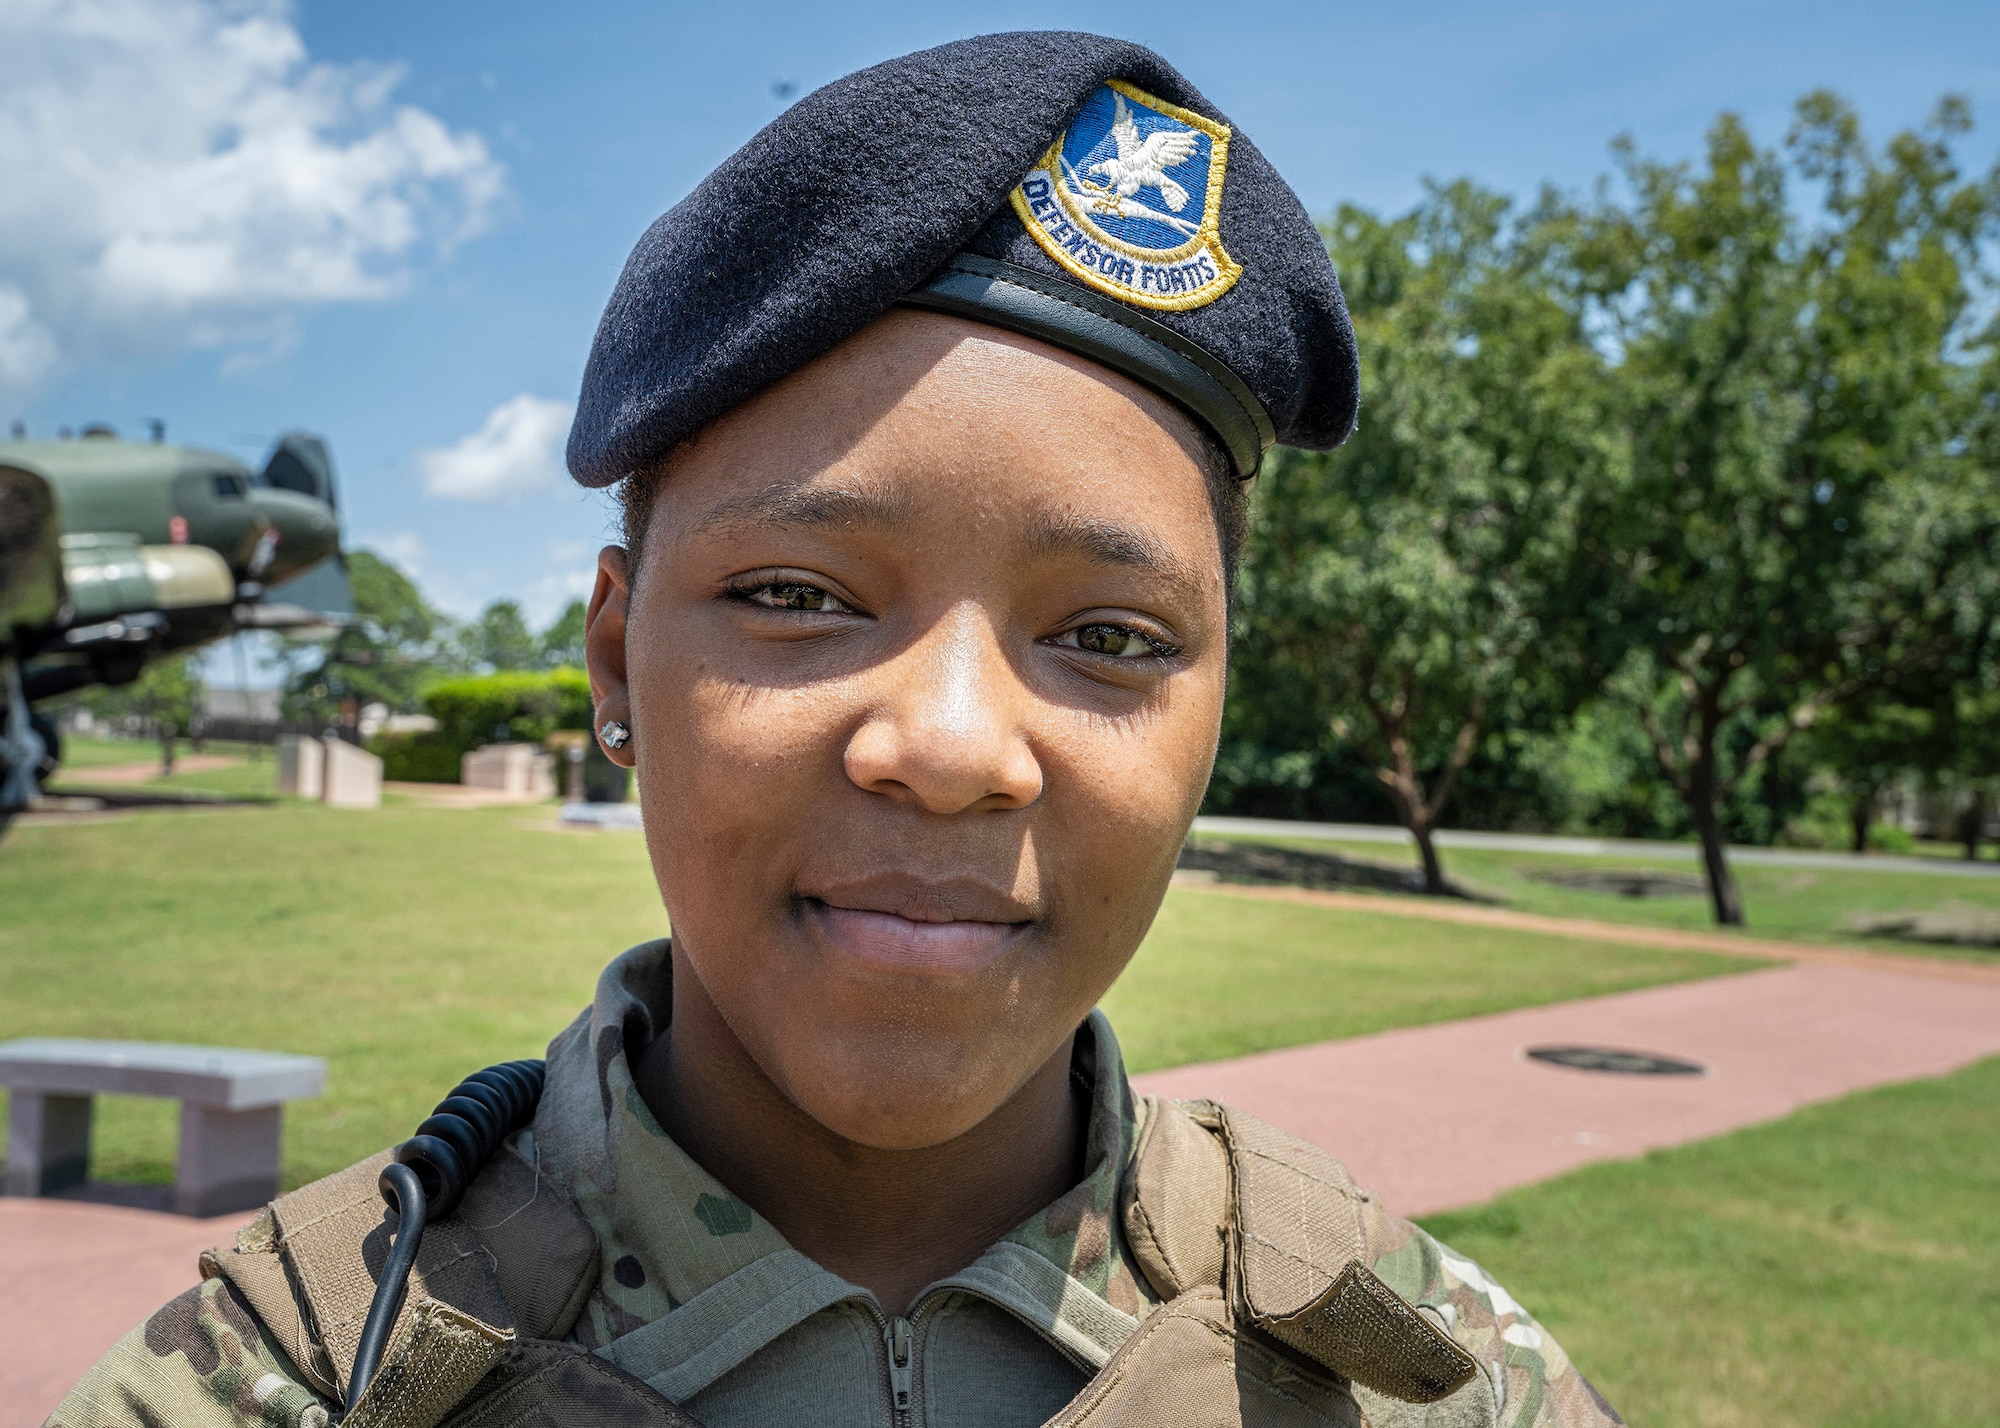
{"points": [[693, 1281]]}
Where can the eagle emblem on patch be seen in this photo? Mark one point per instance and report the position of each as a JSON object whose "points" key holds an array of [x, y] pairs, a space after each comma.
{"points": [[1129, 200]]}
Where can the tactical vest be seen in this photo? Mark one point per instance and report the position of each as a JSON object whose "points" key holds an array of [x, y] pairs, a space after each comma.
{"points": [[1254, 1238]]}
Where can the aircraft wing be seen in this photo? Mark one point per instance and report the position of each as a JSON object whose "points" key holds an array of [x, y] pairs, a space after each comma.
{"points": [[321, 601]]}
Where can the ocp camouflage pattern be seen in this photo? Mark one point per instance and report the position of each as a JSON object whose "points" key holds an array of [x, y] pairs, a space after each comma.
{"points": [[1531, 1379], [201, 1361]]}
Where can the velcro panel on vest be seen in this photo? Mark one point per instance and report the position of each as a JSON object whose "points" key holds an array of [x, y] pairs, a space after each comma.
{"points": [[1176, 1197], [334, 1237], [1301, 1273], [1186, 1366], [259, 1274], [441, 1355], [543, 1252]]}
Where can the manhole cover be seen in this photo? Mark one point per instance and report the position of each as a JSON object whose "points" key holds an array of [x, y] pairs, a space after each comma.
{"points": [[1619, 1063]]}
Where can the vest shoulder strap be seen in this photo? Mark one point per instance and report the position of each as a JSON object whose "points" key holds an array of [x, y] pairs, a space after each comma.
{"points": [[515, 1260], [1215, 1196]]}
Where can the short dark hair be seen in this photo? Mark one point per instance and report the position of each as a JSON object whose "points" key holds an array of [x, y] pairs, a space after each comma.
{"points": [[1228, 502]]}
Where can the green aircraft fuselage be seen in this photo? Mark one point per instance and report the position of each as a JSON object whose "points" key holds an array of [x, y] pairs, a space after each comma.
{"points": [[176, 495]]}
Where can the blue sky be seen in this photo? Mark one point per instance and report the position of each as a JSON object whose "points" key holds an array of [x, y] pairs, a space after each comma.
{"points": [[475, 175]]}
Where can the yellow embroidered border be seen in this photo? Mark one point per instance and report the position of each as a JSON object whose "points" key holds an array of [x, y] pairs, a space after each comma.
{"points": [[1206, 239]]}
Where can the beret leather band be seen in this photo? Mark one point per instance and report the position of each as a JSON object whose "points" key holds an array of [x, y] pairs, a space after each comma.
{"points": [[1072, 317]]}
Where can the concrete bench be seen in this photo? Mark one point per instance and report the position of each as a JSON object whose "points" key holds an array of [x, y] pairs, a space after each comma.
{"points": [[231, 1105]]}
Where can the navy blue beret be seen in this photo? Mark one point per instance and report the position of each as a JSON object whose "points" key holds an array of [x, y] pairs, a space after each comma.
{"points": [[1064, 185]]}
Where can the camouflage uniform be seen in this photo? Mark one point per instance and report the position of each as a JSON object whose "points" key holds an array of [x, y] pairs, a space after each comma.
{"points": [[703, 1299]]}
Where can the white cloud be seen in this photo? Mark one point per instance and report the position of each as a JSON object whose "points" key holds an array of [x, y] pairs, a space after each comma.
{"points": [[549, 596], [517, 449], [178, 172], [402, 549], [26, 349]]}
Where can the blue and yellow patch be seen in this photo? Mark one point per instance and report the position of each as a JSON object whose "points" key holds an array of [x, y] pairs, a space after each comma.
{"points": [[1129, 200]]}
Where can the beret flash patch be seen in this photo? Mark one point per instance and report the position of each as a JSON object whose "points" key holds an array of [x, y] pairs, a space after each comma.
{"points": [[1129, 200]]}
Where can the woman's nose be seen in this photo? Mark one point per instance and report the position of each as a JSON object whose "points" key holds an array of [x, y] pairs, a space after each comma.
{"points": [[947, 729]]}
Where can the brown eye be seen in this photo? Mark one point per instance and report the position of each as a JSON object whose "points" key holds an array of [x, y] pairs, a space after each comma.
{"points": [[796, 595], [1114, 642]]}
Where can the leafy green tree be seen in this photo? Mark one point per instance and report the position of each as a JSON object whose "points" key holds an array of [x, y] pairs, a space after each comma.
{"points": [[1790, 380], [1972, 715], [1866, 745], [166, 696], [562, 641], [1413, 589], [500, 639], [396, 644]]}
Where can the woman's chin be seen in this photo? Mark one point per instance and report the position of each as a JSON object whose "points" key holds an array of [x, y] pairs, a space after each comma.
{"points": [[907, 1102]]}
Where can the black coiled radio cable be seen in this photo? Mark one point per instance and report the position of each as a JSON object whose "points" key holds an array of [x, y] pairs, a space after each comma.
{"points": [[427, 1179]]}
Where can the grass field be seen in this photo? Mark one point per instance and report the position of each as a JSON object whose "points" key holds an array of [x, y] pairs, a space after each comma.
{"points": [[412, 945], [255, 776], [81, 751], [1837, 1269], [1809, 904], [1224, 976]]}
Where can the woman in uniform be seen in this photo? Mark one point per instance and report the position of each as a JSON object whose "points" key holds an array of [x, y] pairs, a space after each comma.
{"points": [[931, 412]]}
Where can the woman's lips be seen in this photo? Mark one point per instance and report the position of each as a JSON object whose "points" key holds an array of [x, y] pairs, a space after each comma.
{"points": [[895, 943]]}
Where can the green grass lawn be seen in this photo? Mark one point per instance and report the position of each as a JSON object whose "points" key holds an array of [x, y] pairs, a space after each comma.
{"points": [[1835, 1269], [410, 946], [1225, 975], [256, 774], [83, 751], [1809, 904]]}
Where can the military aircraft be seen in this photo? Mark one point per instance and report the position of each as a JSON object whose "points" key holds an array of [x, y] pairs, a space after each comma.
{"points": [[114, 553]]}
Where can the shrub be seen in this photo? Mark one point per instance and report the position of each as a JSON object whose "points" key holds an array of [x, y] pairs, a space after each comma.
{"points": [[520, 706], [417, 758]]}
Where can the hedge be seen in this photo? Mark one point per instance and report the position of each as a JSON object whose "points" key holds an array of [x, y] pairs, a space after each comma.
{"points": [[519, 706]]}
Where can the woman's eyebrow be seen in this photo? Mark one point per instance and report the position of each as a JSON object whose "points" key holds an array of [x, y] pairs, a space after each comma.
{"points": [[788, 504], [1103, 542], [1090, 538]]}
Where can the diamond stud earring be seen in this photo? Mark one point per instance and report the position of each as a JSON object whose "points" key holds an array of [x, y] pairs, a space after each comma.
{"points": [[614, 734]]}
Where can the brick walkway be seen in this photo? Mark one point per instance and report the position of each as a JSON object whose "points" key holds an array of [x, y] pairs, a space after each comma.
{"points": [[1435, 1117], [1432, 1117]]}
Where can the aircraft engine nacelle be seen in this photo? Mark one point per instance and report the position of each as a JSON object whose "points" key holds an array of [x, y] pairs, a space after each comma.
{"points": [[31, 590], [31, 596]]}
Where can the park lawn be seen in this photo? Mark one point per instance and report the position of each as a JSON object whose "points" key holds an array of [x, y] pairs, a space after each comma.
{"points": [[83, 751], [1806, 904], [1225, 975], [255, 776], [255, 771], [1835, 1269], [412, 945]]}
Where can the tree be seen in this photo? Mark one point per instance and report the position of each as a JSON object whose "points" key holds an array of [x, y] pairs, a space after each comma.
{"points": [[1413, 587], [1790, 378], [562, 642], [166, 696], [1867, 744], [395, 645], [500, 639]]}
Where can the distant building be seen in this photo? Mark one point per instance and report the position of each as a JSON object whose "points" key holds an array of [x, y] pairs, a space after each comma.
{"points": [[252, 706]]}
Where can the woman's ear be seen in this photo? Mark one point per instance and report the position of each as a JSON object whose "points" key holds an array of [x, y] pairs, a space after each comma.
{"points": [[604, 653]]}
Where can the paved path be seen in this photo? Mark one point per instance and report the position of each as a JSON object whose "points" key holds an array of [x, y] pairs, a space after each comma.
{"points": [[77, 1276], [1436, 1117], [1596, 847], [458, 795], [1433, 1117]]}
